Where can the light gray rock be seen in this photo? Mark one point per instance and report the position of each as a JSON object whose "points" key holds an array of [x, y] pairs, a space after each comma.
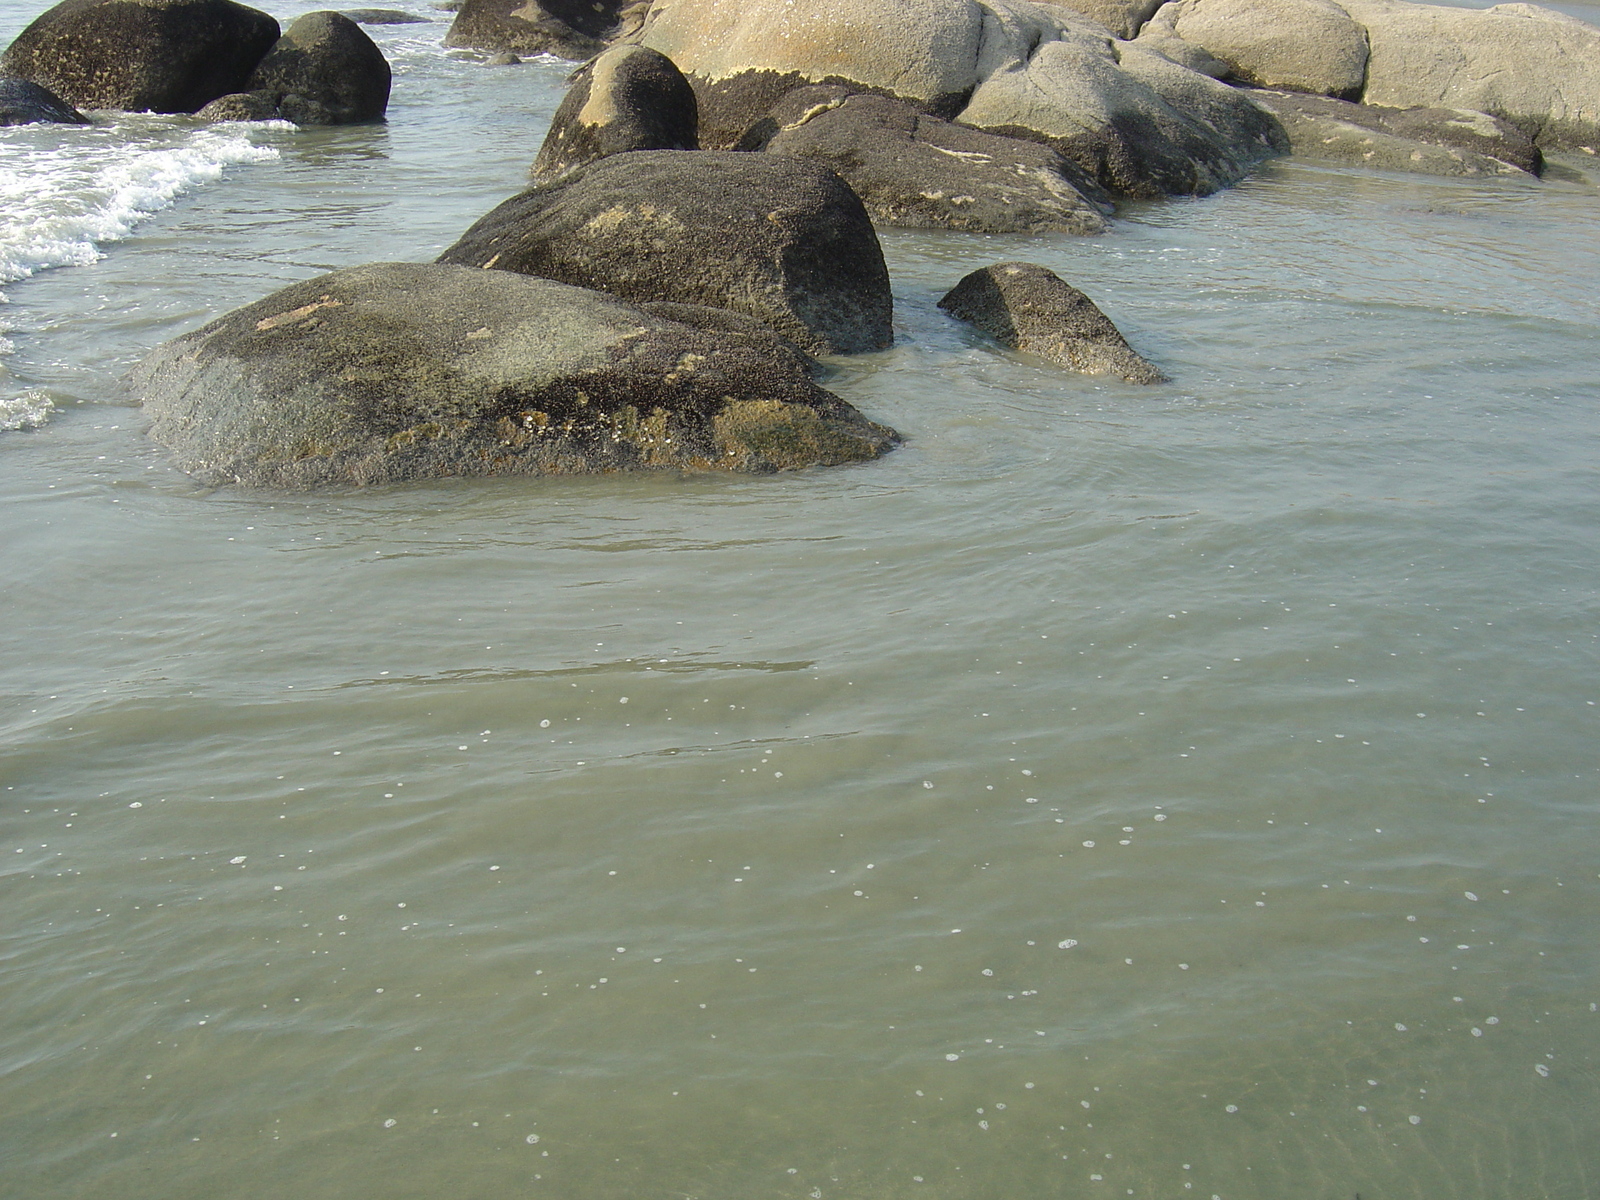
{"points": [[917, 171], [1026, 307], [1292, 45], [1532, 66], [1123, 18], [778, 239], [628, 98], [1427, 141], [169, 56], [1138, 123], [394, 372]]}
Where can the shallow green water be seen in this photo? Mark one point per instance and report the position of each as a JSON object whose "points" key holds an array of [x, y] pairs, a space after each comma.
{"points": [[1114, 791]]}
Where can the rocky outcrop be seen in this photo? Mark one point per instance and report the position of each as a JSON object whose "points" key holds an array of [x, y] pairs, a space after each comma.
{"points": [[1426, 141], [171, 56], [24, 103], [781, 240], [1124, 18], [1130, 118], [1292, 45], [324, 70], [399, 371], [1028, 308], [384, 16], [1531, 66], [742, 58], [575, 29], [629, 98], [914, 170]]}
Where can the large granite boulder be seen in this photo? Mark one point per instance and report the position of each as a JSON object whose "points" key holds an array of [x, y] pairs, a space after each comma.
{"points": [[778, 239], [1129, 117], [742, 58], [1425, 141], [325, 70], [24, 103], [628, 98], [1293, 45], [1026, 307], [172, 56], [1536, 68], [914, 170], [402, 371], [575, 29]]}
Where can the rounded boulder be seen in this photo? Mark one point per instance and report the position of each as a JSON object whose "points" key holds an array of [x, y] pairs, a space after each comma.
{"points": [[392, 372]]}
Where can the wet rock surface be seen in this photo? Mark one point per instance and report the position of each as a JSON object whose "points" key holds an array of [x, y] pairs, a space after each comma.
{"points": [[394, 372], [628, 98], [781, 240], [1029, 308]]}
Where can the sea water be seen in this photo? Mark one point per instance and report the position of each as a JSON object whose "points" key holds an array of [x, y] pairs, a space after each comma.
{"points": [[1156, 792]]}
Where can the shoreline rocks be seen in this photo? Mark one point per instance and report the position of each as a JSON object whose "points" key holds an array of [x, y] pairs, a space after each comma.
{"points": [[25, 103], [1026, 307], [574, 29], [781, 240], [165, 56], [628, 98], [393, 372]]}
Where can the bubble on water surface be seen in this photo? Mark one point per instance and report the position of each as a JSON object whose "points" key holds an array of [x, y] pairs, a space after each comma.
{"points": [[1066, 944], [236, 860], [390, 1123], [532, 1139]]}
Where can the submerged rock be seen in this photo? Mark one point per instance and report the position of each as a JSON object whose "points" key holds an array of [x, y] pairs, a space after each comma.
{"points": [[781, 240], [25, 103], [628, 98], [1427, 141], [401, 371], [914, 170], [169, 56], [384, 16], [1029, 308]]}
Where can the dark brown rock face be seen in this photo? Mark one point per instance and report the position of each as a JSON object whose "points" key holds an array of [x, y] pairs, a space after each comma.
{"points": [[914, 170], [781, 240], [402, 371], [24, 103], [629, 98], [1029, 308], [575, 29], [325, 70], [172, 56]]}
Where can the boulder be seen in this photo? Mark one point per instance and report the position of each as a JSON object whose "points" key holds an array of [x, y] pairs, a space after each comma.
{"points": [[778, 239], [629, 98], [1028, 308], [1536, 68], [243, 106], [742, 58], [24, 103], [402, 371], [384, 16], [575, 29], [1427, 141], [1292, 45], [325, 70], [914, 170], [1130, 118], [171, 56], [1124, 18]]}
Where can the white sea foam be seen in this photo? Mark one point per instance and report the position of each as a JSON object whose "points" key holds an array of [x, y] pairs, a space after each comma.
{"points": [[27, 411], [67, 191]]}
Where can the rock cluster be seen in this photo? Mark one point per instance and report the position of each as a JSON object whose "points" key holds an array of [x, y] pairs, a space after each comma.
{"points": [[180, 56]]}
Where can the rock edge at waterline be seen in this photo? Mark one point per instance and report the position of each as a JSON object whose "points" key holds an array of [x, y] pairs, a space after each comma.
{"points": [[394, 372]]}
